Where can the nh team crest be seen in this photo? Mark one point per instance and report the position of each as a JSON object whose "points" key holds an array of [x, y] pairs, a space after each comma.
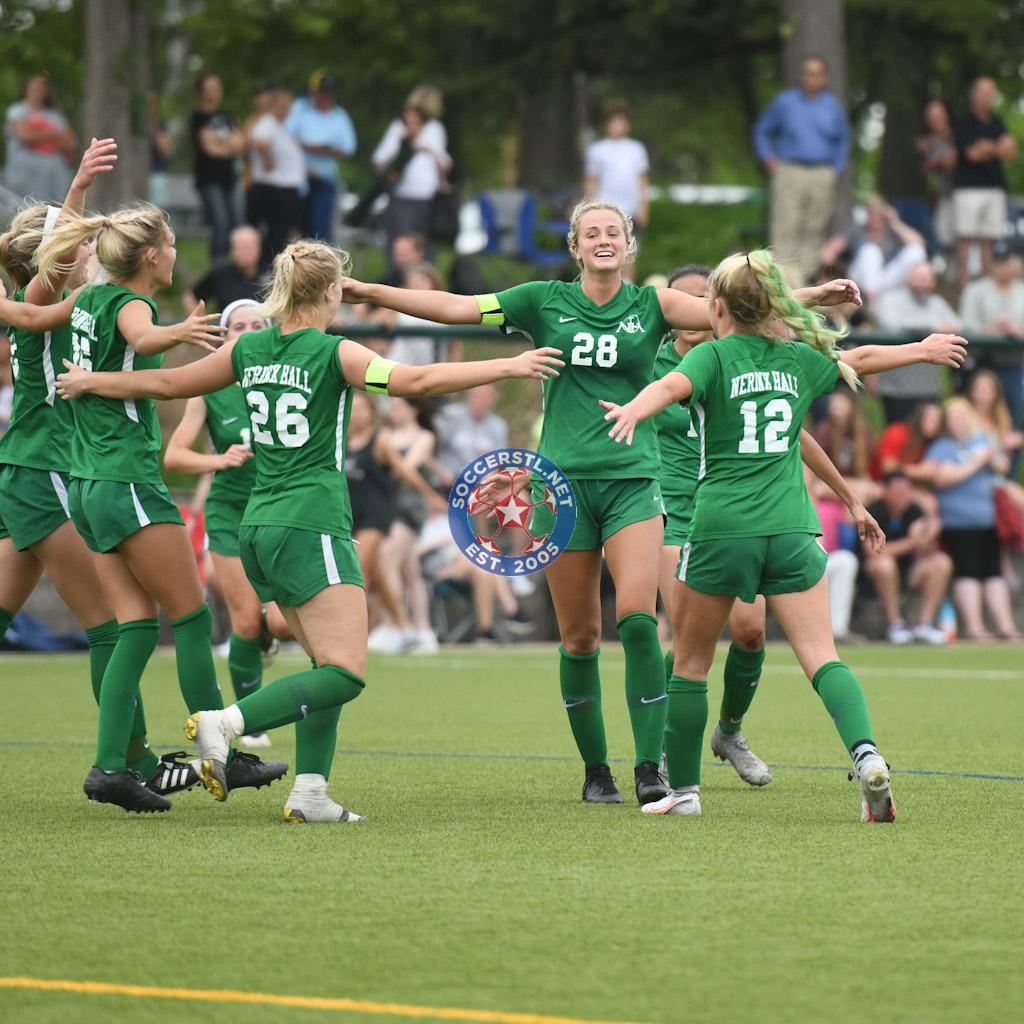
{"points": [[512, 491]]}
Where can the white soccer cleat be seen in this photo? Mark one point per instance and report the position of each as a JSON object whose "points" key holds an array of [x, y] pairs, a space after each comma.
{"points": [[212, 736], [255, 741], [926, 633], [876, 803], [426, 643], [735, 749], [385, 639], [899, 634], [308, 802], [686, 801]]}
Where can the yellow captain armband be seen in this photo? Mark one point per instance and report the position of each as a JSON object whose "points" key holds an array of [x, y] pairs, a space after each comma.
{"points": [[377, 375], [491, 314]]}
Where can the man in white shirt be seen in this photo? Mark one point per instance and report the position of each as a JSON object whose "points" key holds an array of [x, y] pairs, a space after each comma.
{"points": [[467, 429], [617, 166], [278, 166]]}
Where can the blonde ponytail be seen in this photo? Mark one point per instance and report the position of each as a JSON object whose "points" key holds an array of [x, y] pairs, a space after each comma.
{"points": [[753, 289], [300, 275], [18, 244]]}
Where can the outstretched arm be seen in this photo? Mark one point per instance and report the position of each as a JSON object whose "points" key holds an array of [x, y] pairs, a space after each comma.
{"points": [[37, 319], [135, 322], [441, 307], [657, 396], [198, 378], [181, 455], [941, 349]]}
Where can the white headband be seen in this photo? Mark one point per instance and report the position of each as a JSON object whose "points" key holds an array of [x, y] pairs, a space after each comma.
{"points": [[52, 213]]}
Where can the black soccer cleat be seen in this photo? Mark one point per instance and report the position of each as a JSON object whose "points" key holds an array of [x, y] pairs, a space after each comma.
{"points": [[650, 783], [248, 771], [173, 775], [127, 789], [599, 786]]}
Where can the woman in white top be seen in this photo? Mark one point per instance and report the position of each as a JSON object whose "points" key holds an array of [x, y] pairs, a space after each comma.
{"points": [[414, 152]]}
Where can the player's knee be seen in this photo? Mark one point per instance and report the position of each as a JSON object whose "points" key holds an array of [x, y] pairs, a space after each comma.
{"points": [[247, 622], [583, 639], [337, 657], [749, 636], [881, 566]]}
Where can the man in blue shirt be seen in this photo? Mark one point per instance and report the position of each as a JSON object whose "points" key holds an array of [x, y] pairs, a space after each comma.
{"points": [[803, 141], [326, 134]]}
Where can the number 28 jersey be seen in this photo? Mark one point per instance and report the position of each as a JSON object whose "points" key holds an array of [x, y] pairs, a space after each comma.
{"points": [[750, 397], [298, 406], [609, 354]]}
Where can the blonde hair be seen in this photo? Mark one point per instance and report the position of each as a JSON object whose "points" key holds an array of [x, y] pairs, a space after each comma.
{"points": [[756, 294], [961, 404], [18, 244], [428, 100], [300, 274], [1000, 414], [121, 241], [585, 206]]}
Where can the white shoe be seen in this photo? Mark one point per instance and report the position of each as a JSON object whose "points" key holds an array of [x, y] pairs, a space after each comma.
{"points": [[900, 634], [876, 801], [271, 651], [426, 643], [735, 749], [309, 802], [255, 741], [685, 801], [385, 639], [213, 737], [926, 633]]}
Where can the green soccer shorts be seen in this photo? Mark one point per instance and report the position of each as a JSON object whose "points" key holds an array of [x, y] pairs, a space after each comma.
{"points": [[105, 512], [290, 566], [223, 542], [33, 503], [678, 517], [743, 567], [603, 507]]}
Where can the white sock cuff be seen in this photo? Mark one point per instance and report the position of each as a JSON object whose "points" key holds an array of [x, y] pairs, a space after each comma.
{"points": [[310, 780], [235, 721]]}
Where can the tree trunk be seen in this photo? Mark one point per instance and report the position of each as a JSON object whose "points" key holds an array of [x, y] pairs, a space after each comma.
{"points": [[116, 40], [548, 152]]}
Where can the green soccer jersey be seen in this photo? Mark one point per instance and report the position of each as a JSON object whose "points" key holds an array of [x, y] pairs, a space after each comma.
{"points": [[299, 404], [678, 440], [41, 423], [114, 439], [750, 397], [609, 354], [227, 423]]}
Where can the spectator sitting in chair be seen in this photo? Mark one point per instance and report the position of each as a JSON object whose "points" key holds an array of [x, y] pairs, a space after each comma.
{"points": [[238, 279], [466, 429], [910, 560]]}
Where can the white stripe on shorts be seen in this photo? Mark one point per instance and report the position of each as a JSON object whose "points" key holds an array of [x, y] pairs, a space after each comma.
{"points": [[140, 512], [683, 562], [62, 492], [329, 563]]}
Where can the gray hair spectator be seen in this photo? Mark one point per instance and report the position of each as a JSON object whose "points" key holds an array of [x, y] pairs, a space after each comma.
{"points": [[983, 143], [216, 145], [965, 467], [910, 560], [466, 429], [803, 141], [240, 278], [40, 143], [328, 136], [916, 306], [938, 161], [414, 153]]}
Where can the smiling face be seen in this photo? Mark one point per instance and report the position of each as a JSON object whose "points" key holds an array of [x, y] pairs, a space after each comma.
{"points": [[602, 244]]}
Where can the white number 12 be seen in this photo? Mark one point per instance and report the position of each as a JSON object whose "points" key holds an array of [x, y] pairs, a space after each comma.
{"points": [[780, 413]]}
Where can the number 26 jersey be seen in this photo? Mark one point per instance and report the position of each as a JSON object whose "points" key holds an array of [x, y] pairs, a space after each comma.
{"points": [[609, 354]]}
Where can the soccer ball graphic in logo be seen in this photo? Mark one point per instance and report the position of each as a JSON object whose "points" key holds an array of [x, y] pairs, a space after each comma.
{"points": [[509, 505]]}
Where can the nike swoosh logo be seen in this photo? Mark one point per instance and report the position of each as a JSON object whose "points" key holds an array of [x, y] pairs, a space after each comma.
{"points": [[574, 703], [230, 421], [566, 319], [653, 700]]}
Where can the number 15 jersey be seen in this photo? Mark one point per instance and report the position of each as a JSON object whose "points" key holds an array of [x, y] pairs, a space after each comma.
{"points": [[609, 354], [750, 397]]}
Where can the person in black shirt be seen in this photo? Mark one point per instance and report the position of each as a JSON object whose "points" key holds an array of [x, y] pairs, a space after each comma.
{"points": [[216, 142], [910, 559], [241, 278], [979, 180]]}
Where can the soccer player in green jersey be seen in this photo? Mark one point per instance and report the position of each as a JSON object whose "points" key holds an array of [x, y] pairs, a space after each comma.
{"points": [[296, 536], [608, 330], [225, 418], [754, 529], [118, 501]]}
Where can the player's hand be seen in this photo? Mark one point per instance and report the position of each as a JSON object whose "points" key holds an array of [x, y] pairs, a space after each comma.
{"points": [[99, 158], [200, 330], [838, 292], [72, 382], [353, 291], [623, 421], [237, 455], [538, 363], [870, 533], [496, 485], [944, 350]]}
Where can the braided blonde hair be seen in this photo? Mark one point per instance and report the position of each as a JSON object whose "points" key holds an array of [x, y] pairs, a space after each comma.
{"points": [[300, 274], [756, 294], [19, 242]]}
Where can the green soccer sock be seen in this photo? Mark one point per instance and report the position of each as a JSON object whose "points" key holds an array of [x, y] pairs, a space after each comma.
{"points": [[5, 621], [580, 679], [292, 698], [197, 676], [742, 674], [245, 663], [119, 694], [316, 739], [670, 664], [684, 730], [645, 684], [841, 693]]}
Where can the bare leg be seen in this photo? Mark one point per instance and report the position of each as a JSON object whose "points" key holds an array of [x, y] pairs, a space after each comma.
{"points": [[634, 556], [160, 558], [71, 566], [667, 581], [244, 607], [697, 623], [967, 594], [885, 575], [20, 572], [807, 621], [997, 598], [933, 573], [747, 623], [482, 584], [574, 580], [371, 550]]}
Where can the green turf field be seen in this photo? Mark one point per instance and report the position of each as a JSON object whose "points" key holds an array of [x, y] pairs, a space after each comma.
{"points": [[481, 882]]}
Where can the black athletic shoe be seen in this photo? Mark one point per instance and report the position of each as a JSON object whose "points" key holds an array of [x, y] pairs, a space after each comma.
{"points": [[269, 644], [599, 786], [126, 789], [173, 775], [247, 770], [650, 783]]}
